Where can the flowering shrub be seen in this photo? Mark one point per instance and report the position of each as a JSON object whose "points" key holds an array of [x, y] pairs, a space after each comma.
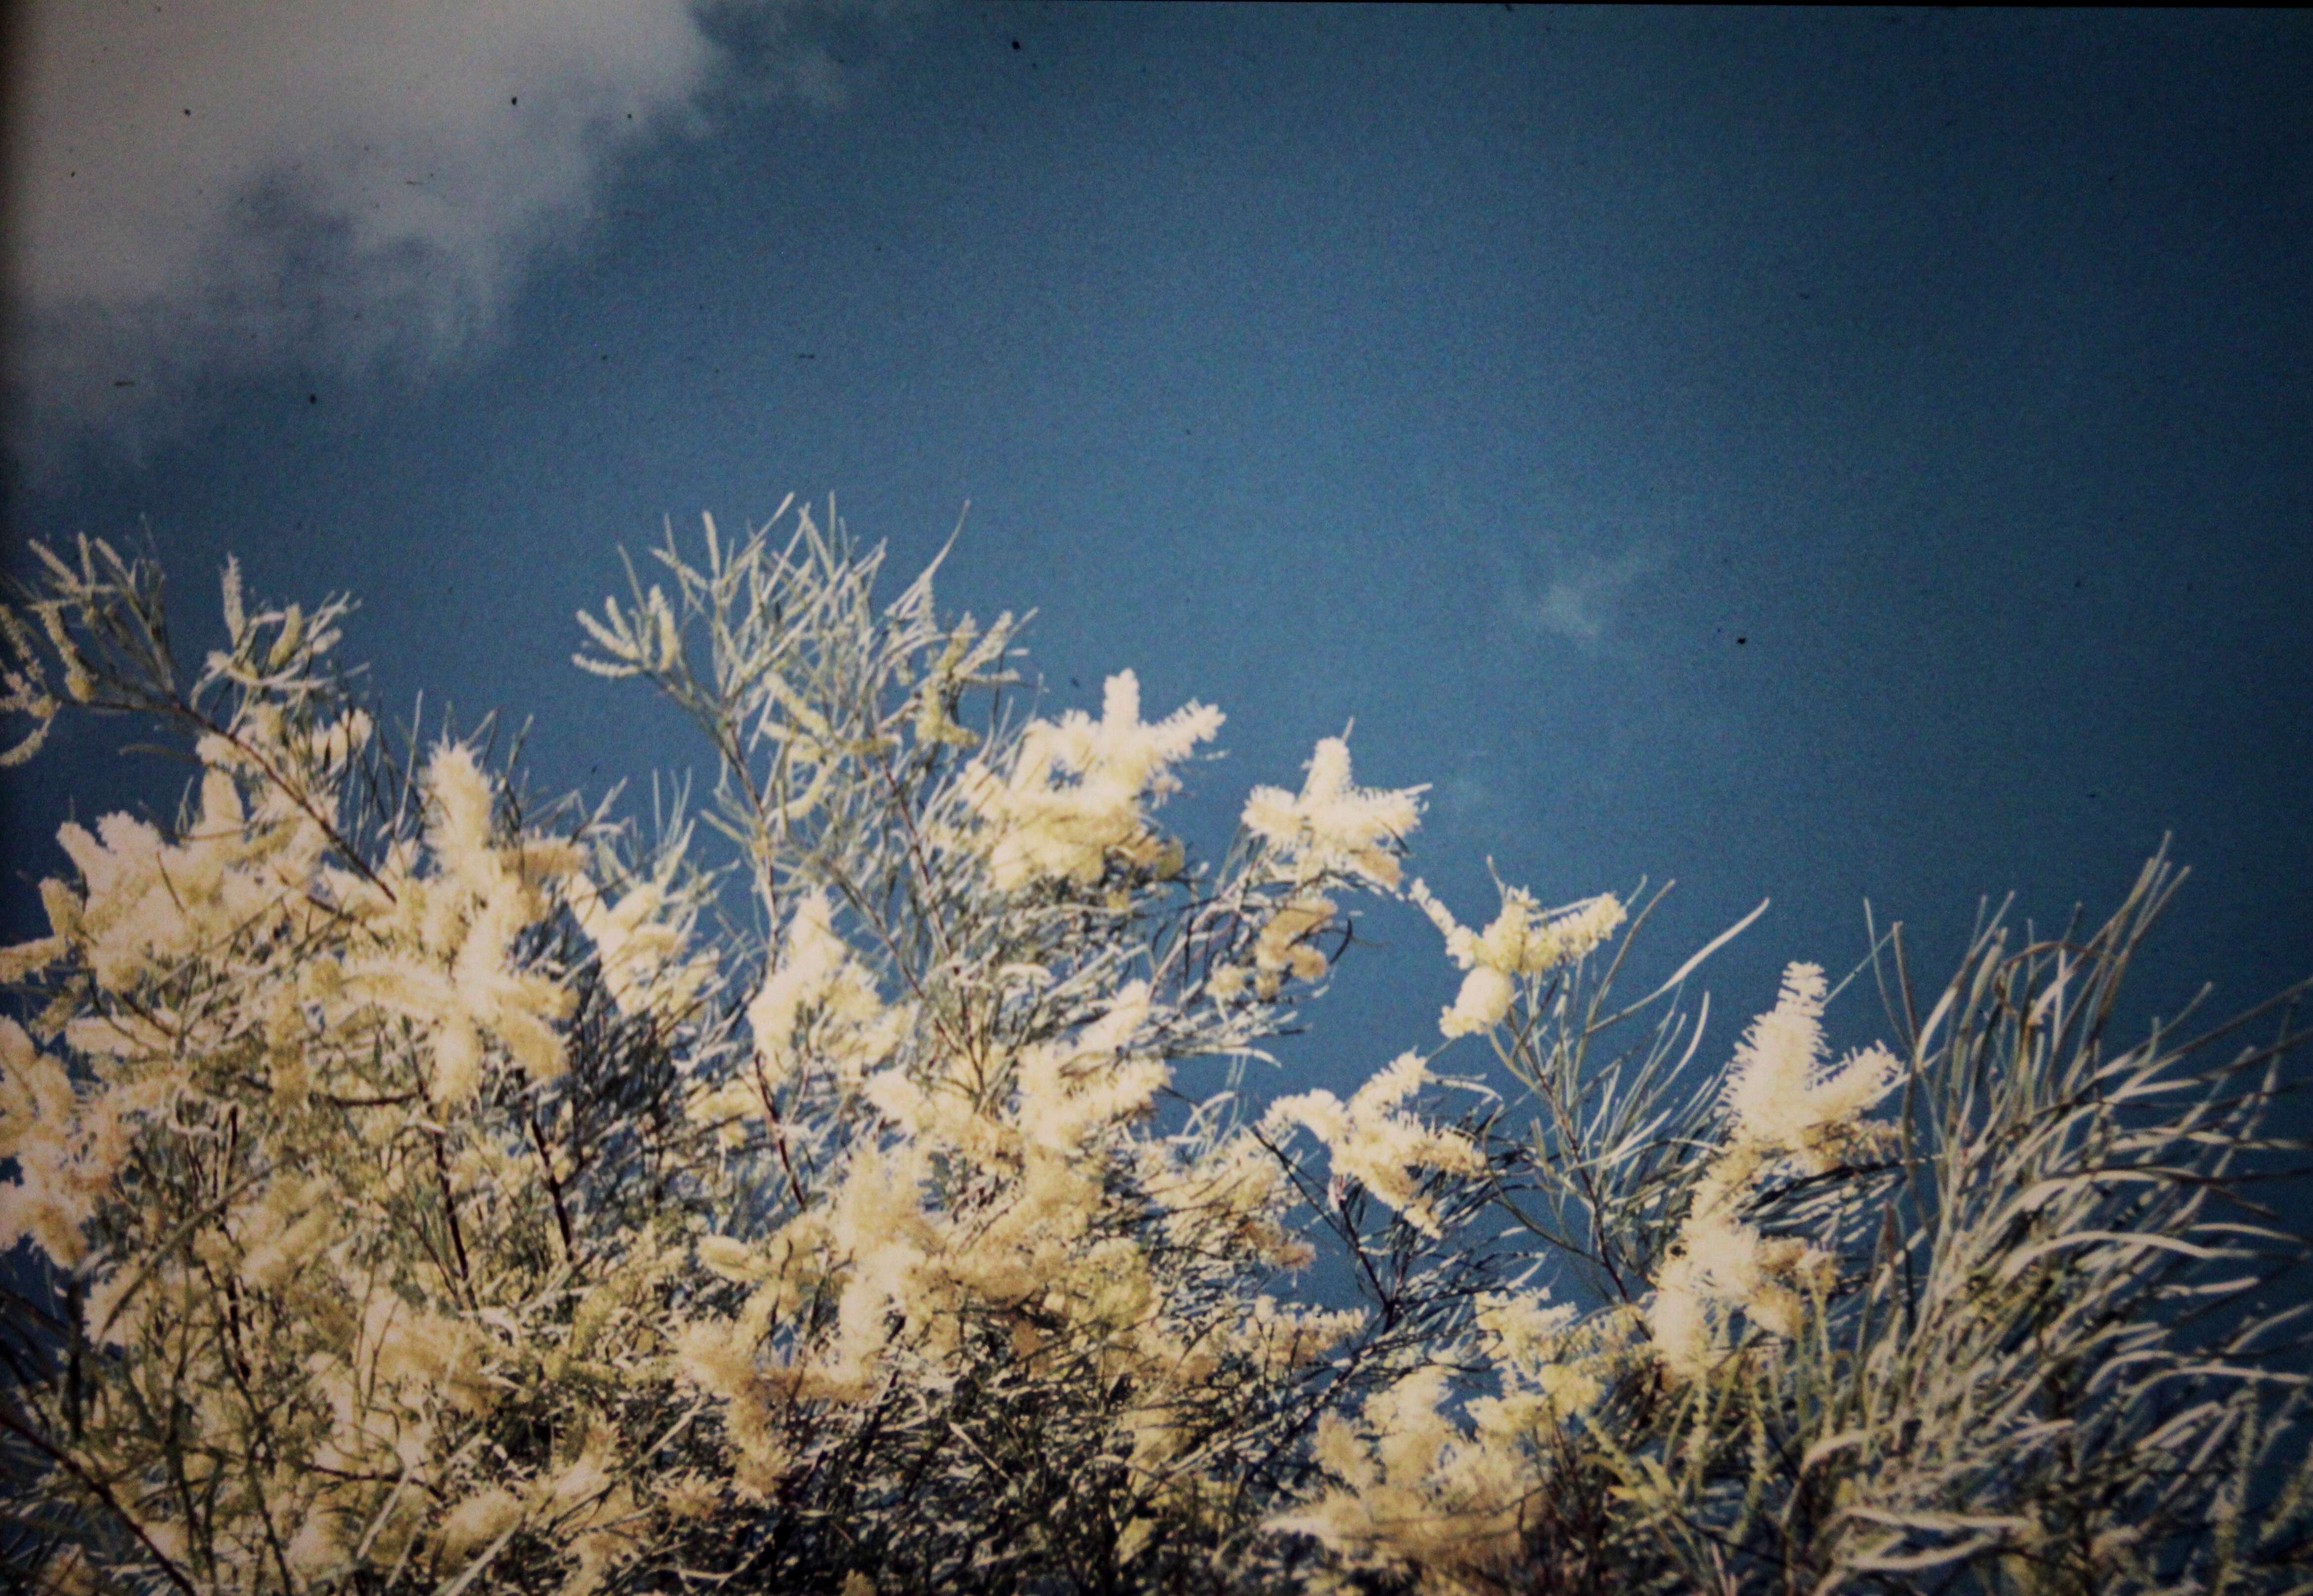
{"points": [[413, 1189]]}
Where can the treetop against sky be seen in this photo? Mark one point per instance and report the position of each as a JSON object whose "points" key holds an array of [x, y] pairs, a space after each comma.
{"points": [[1801, 456], [412, 1187]]}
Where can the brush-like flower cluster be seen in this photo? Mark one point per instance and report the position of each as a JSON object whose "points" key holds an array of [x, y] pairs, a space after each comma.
{"points": [[1523, 939], [412, 1192], [1786, 1116]]}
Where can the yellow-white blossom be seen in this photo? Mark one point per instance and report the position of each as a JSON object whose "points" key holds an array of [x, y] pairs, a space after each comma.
{"points": [[1416, 1494], [816, 975], [1522, 939], [1373, 1140], [1075, 788], [1784, 1110], [1781, 1096], [1333, 825], [642, 941]]}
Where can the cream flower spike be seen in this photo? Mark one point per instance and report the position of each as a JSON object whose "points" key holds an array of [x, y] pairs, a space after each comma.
{"points": [[1124, 748], [1376, 1141], [640, 939], [1035, 827], [1333, 825], [1786, 1108], [1524, 939], [1783, 1096]]}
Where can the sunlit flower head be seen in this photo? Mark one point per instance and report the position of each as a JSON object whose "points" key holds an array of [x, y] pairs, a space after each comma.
{"points": [[1333, 826]]}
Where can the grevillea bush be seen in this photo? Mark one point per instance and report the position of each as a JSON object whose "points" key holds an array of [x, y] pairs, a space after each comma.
{"points": [[416, 1189]]}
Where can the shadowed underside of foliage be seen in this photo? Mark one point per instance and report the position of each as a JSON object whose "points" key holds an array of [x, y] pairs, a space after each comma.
{"points": [[414, 1187]]}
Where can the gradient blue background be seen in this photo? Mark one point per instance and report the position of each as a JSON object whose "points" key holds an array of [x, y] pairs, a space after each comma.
{"points": [[1816, 455]]}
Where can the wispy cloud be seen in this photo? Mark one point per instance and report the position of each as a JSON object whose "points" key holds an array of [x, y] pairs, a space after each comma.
{"points": [[1579, 595], [247, 184]]}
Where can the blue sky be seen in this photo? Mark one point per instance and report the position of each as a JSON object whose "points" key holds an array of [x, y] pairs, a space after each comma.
{"points": [[1815, 456]]}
